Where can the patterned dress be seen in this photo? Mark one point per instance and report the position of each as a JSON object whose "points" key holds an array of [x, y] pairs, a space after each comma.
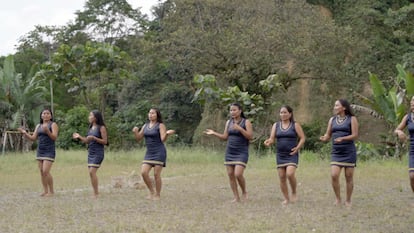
{"points": [[95, 149], [343, 153], [156, 153], [286, 139], [46, 146], [237, 150], [410, 127]]}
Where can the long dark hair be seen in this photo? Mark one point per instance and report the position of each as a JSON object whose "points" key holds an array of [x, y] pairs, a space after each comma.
{"points": [[347, 106], [159, 117], [240, 108], [99, 119], [290, 110], [51, 114]]}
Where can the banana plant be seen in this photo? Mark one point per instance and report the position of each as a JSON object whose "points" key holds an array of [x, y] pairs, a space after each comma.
{"points": [[389, 104]]}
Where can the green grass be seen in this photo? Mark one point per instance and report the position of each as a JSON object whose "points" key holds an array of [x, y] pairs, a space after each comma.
{"points": [[196, 196]]}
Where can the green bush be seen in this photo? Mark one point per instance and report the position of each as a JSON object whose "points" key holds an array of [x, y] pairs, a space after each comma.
{"points": [[74, 120], [366, 151], [312, 132]]}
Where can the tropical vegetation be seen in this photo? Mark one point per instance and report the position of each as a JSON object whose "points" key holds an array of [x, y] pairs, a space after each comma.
{"points": [[192, 58]]}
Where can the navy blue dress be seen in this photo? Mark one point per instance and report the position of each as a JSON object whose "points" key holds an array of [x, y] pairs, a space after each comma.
{"points": [[46, 146], [95, 149], [286, 139], [410, 127], [343, 153], [156, 153], [237, 151]]}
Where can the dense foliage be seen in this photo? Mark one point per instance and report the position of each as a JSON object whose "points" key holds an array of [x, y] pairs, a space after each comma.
{"points": [[115, 59]]}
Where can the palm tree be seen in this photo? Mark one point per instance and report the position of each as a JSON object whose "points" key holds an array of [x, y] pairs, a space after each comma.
{"points": [[22, 99]]}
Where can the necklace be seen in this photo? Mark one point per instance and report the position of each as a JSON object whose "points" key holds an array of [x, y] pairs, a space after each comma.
{"points": [[151, 126], [237, 122], [341, 120], [281, 126]]}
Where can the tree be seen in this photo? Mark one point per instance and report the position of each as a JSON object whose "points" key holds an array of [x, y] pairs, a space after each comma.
{"points": [[94, 70], [384, 27], [107, 20], [241, 43], [21, 100]]}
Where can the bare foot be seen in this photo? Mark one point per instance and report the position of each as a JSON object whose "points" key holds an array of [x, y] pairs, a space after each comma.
{"points": [[294, 198], [285, 202], [49, 194], [149, 197], [156, 197], [235, 200], [337, 202], [348, 204], [43, 194], [95, 196], [244, 197]]}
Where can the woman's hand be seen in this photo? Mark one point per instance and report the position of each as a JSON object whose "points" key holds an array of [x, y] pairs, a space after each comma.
{"points": [[21, 130], [267, 142], [324, 138], [237, 127], [75, 136], [401, 135], [294, 150], [90, 138], [209, 131]]}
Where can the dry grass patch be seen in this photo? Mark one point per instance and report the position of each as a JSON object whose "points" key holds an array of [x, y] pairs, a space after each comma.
{"points": [[196, 197]]}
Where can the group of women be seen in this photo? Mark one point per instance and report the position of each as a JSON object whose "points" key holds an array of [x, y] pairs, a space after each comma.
{"points": [[154, 132], [238, 131], [47, 132], [290, 138], [342, 129]]}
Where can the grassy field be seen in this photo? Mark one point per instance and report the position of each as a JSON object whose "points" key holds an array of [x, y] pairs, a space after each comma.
{"points": [[196, 197]]}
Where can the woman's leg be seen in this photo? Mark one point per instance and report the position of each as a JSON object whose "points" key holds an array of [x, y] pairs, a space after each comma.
{"points": [[349, 178], [283, 184], [412, 180], [46, 167], [158, 181], [233, 182], [335, 172], [43, 178], [145, 170], [238, 173], [94, 180], [290, 174]]}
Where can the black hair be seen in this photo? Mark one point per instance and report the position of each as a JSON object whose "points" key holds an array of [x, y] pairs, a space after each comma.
{"points": [[347, 106], [159, 117], [99, 119], [51, 114], [290, 110], [239, 107]]}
